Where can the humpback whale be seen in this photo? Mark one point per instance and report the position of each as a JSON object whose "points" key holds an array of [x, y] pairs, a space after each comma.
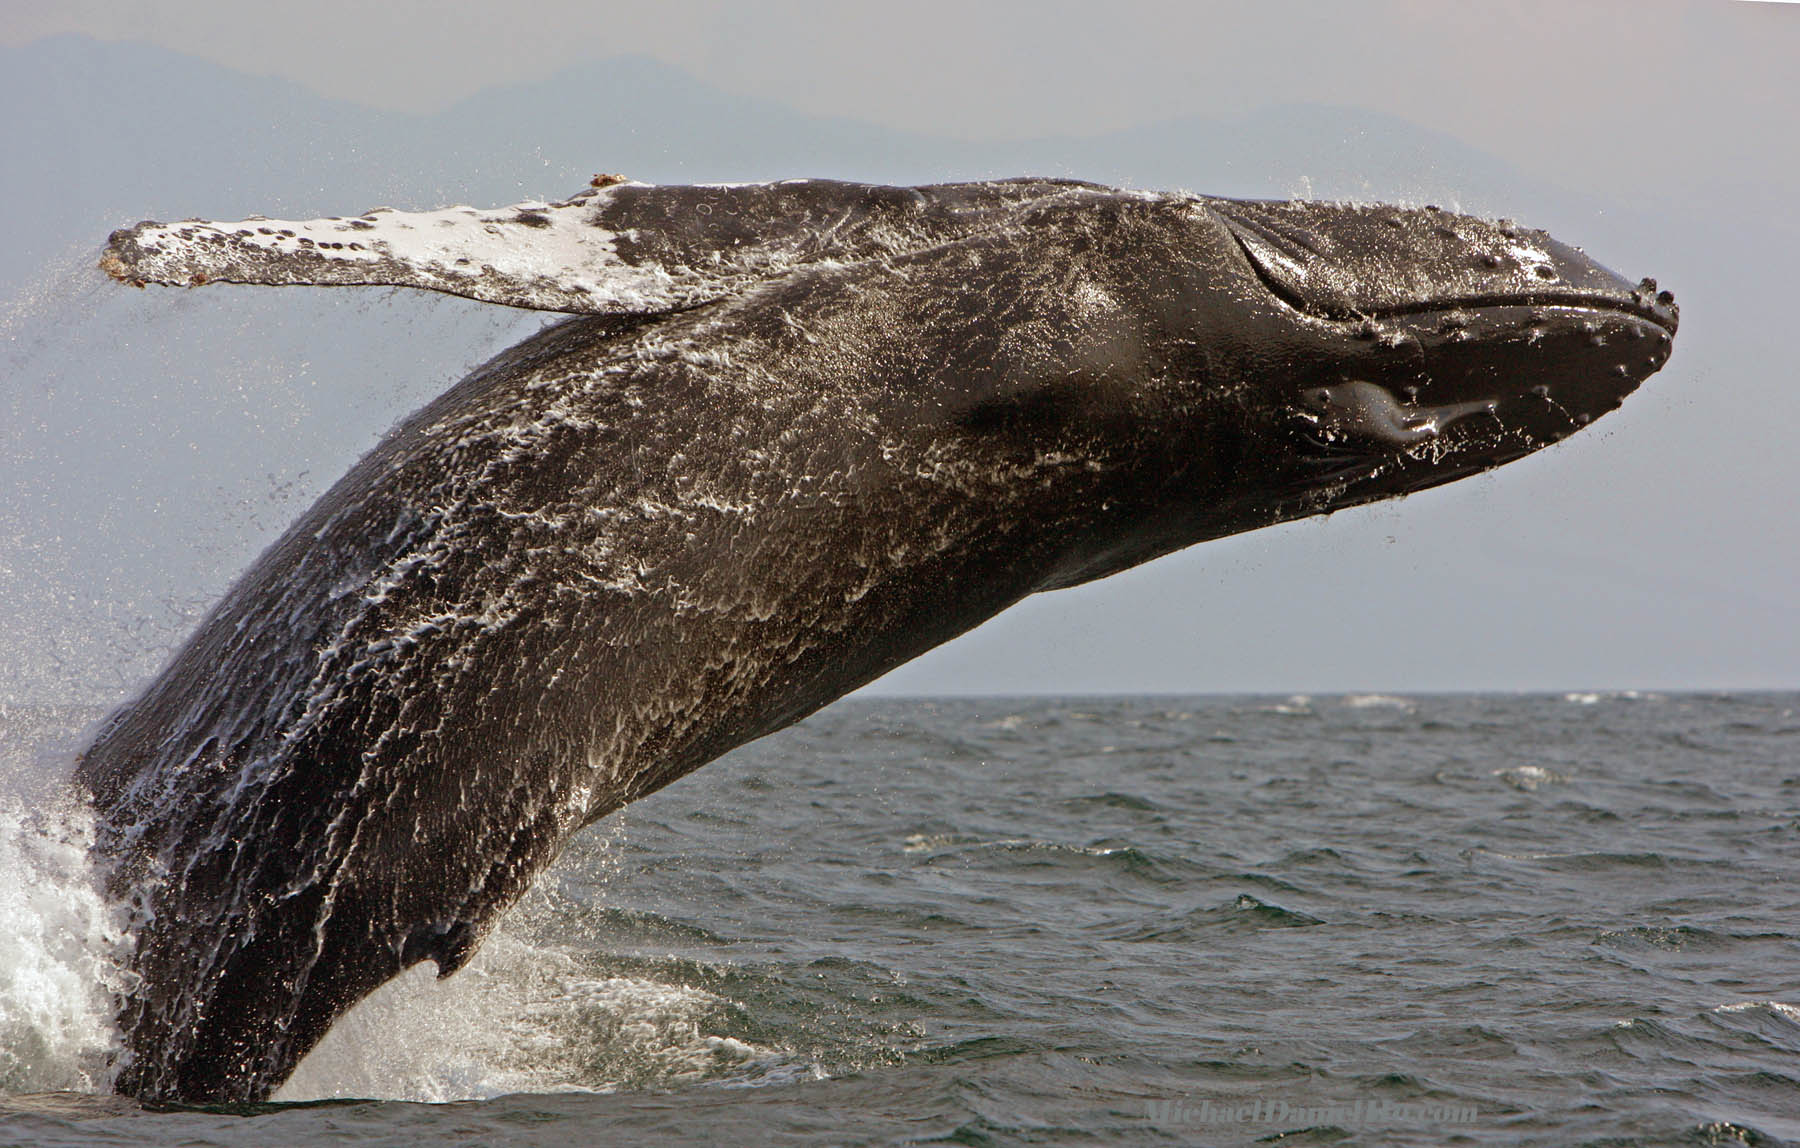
{"points": [[790, 436]]}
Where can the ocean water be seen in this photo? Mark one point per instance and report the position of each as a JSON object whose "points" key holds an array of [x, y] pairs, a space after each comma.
{"points": [[1427, 920]]}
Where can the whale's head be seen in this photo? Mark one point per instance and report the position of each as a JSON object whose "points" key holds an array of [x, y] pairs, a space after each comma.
{"points": [[1330, 355], [1397, 349]]}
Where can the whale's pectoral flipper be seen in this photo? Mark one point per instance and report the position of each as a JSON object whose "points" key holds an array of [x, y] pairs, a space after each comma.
{"points": [[547, 257], [622, 248]]}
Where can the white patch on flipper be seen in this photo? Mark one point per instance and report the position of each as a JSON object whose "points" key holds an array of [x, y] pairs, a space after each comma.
{"points": [[547, 257]]}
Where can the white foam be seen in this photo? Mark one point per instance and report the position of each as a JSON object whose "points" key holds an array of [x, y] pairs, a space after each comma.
{"points": [[1298, 705], [1379, 701], [1595, 697], [60, 942], [1779, 1008], [533, 1012], [527, 1018], [1528, 778]]}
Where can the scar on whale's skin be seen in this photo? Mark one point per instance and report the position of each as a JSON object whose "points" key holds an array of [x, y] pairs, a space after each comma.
{"points": [[792, 435]]}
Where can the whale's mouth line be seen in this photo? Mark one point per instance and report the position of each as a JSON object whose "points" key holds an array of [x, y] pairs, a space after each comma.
{"points": [[1570, 300]]}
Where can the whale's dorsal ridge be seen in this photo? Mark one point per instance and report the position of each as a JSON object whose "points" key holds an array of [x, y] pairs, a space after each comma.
{"points": [[617, 247]]}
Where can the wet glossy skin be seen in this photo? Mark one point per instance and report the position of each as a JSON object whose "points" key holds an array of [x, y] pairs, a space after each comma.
{"points": [[638, 540]]}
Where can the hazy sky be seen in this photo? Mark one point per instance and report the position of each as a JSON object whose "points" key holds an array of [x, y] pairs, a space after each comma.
{"points": [[1657, 550], [1610, 93]]}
